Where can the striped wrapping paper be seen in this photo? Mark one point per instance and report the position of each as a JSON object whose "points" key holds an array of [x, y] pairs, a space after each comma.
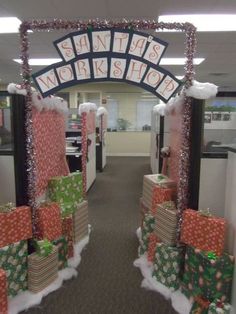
{"points": [[166, 220], [80, 222], [42, 271]]}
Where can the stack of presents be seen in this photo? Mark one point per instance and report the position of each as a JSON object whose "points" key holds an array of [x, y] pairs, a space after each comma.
{"points": [[197, 264], [31, 262]]}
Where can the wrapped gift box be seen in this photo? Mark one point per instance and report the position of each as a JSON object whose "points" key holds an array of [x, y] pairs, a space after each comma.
{"points": [[42, 270], [13, 259], [144, 209], [166, 220], [68, 191], [80, 221], [208, 275], [62, 249], [49, 223], [200, 306], [147, 229], [168, 265], [3, 292], [152, 243], [15, 225], [203, 232], [218, 307], [157, 189], [67, 231]]}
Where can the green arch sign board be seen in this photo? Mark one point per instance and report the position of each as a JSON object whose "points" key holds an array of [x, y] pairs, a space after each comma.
{"points": [[109, 55]]}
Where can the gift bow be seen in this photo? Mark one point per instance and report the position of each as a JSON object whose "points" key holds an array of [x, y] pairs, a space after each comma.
{"points": [[211, 255], [205, 212], [7, 208], [44, 248], [168, 205], [160, 177]]}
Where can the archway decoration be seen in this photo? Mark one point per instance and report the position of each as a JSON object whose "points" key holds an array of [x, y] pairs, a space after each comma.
{"points": [[134, 25], [109, 55]]}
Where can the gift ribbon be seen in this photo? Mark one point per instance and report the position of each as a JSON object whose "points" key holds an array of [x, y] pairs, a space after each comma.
{"points": [[44, 248], [169, 205], [160, 177], [205, 212], [7, 208], [211, 255], [220, 304]]}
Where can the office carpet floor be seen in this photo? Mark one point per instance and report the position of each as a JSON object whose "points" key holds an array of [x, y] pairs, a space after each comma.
{"points": [[107, 282]]}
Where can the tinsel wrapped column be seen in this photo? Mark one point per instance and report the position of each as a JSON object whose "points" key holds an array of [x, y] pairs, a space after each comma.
{"points": [[84, 151]]}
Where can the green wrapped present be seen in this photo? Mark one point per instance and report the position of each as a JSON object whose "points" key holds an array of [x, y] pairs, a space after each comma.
{"points": [[146, 230], [13, 259], [218, 307], [67, 191], [168, 265], [208, 275], [62, 247]]}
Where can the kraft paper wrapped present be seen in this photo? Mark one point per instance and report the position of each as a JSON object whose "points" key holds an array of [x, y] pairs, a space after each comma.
{"points": [[152, 243], [13, 260], [208, 275], [80, 221], [67, 231], [168, 265], [166, 220], [155, 186], [3, 292], [218, 307], [62, 249], [49, 221], [15, 225], [68, 191], [42, 270], [206, 233], [147, 229]]}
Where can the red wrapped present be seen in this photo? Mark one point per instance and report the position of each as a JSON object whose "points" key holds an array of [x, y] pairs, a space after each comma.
{"points": [[49, 221], [67, 231], [152, 243], [157, 189], [3, 292], [15, 225], [206, 233], [161, 195]]}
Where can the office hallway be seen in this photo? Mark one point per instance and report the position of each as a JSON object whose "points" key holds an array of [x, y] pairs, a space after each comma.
{"points": [[107, 282]]}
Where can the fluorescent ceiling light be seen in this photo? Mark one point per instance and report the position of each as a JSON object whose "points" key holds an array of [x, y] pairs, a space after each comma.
{"points": [[9, 25], [204, 22], [47, 61], [179, 61]]}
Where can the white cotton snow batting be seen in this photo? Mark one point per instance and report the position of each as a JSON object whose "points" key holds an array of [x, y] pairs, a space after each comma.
{"points": [[13, 88], [180, 303], [160, 109], [149, 282], [202, 90], [101, 111], [139, 233], [25, 300]]}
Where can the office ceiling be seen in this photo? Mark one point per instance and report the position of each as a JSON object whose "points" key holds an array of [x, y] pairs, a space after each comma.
{"points": [[219, 49]]}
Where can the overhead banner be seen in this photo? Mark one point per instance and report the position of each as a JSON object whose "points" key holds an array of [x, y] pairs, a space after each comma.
{"points": [[109, 55]]}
